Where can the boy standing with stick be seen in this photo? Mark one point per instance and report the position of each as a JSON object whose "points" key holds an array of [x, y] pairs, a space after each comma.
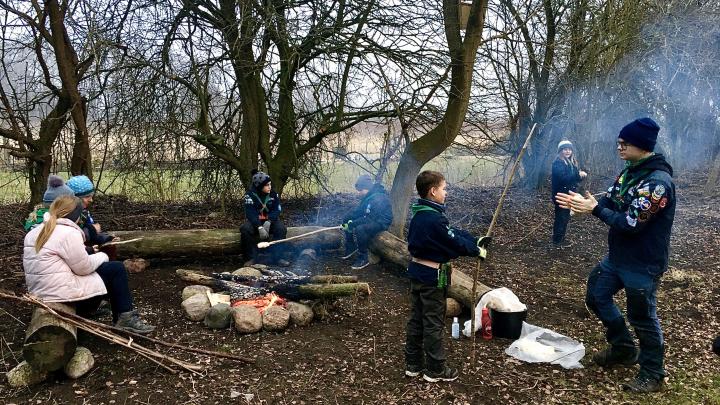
{"points": [[432, 244]]}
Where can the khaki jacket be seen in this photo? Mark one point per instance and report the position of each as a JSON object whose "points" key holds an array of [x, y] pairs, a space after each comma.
{"points": [[62, 271]]}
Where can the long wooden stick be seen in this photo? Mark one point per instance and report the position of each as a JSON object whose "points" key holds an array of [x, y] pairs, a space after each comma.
{"points": [[263, 245], [489, 232]]}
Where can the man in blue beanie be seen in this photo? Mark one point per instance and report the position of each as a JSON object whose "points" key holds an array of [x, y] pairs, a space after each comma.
{"points": [[639, 208]]}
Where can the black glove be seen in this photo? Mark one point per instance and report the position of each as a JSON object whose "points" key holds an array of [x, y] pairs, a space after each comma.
{"points": [[484, 241]]}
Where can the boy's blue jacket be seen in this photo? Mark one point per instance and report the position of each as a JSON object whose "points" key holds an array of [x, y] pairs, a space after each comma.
{"points": [[261, 207], [375, 206], [430, 237]]}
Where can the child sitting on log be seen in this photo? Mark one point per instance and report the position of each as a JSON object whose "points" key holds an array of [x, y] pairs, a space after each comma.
{"points": [[262, 214], [58, 268], [55, 188], [84, 189], [432, 243], [372, 216]]}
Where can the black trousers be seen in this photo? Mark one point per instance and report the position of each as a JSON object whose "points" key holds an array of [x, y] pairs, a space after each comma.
{"points": [[361, 235], [424, 341], [562, 217], [115, 277], [249, 237]]}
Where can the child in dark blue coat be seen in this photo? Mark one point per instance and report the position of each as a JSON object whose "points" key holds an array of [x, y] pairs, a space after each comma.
{"points": [[372, 216], [262, 212], [566, 175], [432, 244]]}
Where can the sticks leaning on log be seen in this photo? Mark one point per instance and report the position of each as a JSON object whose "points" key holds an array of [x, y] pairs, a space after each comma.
{"points": [[105, 332]]}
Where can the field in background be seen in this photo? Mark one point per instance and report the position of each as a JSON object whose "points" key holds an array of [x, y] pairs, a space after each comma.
{"points": [[173, 185]]}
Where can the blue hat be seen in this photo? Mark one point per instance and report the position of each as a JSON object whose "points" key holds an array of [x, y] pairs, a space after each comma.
{"points": [[56, 187], [81, 185], [259, 179], [642, 133]]}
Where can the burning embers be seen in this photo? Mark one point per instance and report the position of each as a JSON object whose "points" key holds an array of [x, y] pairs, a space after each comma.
{"points": [[262, 303]]}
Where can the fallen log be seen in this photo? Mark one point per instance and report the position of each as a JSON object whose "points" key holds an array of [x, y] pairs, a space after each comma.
{"points": [[49, 341], [290, 291], [210, 242]]}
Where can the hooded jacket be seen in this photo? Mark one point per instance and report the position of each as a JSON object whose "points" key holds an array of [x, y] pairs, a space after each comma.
{"points": [[62, 271], [639, 208], [430, 237], [375, 206], [261, 207]]}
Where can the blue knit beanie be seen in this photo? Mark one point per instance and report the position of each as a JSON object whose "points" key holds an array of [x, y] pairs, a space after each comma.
{"points": [[81, 185], [55, 188], [642, 133], [259, 179]]}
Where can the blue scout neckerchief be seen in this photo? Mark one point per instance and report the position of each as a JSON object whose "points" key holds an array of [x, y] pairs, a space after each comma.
{"points": [[445, 268]]}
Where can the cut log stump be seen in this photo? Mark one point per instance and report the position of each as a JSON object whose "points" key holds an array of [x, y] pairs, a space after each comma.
{"points": [[49, 341]]}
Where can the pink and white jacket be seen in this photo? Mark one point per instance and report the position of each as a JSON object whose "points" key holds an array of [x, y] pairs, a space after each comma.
{"points": [[62, 271]]}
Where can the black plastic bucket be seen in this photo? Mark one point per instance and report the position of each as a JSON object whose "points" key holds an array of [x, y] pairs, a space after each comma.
{"points": [[507, 325]]}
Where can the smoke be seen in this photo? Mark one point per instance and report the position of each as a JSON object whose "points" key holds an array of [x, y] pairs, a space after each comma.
{"points": [[673, 77]]}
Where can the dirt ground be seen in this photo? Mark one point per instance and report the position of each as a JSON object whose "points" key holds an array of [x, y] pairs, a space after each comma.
{"points": [[356, 355]]}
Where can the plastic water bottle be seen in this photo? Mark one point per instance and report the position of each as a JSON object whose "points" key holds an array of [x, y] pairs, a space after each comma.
{"points": [[455, 328]]}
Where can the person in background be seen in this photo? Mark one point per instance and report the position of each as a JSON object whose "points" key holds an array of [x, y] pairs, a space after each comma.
{"points": [[372, 216], [55, 188], [84, 189], [59, 269], [566, 175], [716, 346], [432, 242], [639, 208], [262, 215]]}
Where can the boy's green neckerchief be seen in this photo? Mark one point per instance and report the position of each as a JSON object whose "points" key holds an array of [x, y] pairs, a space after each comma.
{"points": [[626, 184], [415, 208]]}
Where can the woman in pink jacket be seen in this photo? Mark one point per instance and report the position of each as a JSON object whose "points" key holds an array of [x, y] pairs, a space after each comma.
{"points": [[58, 269]]}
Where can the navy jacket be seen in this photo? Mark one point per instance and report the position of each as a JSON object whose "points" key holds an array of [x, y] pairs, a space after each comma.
{"points": [[260, 207], [565, 177], [430, 237], [375, 206], [639, 208]]}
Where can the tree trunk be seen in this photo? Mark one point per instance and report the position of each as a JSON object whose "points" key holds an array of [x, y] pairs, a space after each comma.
{"points": [[81, 160], [711, 184], [462, 62], [211, 242], [39, 170], [49, 342]]}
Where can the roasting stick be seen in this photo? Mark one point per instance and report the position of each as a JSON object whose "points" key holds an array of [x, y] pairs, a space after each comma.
{"points": [[263, 245], [493, 222]]}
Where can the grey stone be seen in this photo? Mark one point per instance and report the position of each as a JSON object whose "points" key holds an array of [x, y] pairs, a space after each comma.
{"points": [[300, 314], [191, 290], [218, 317], [196, 307], [247, 319], [247, 272], [80, 363], [24, 376], [275, 319]]}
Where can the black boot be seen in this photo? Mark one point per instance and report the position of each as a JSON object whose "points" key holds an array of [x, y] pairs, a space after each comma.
{"points": [[613, 356], [643, 385], [361, 262]]}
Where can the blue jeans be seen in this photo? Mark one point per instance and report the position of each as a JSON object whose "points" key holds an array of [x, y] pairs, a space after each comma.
{"points": [[641, 288]]}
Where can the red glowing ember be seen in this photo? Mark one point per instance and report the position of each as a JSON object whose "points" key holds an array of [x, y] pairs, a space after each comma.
{"points": [[262, 303]]}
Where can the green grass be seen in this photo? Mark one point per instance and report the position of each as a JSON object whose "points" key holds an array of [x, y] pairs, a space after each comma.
{"points": [[170, 185]]}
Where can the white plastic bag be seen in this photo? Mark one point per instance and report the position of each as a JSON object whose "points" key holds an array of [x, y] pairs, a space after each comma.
{"points": [[540, 345], [499, 299]]}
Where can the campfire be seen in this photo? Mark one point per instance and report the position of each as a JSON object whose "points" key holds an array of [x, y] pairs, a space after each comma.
{"points": [[263, 298]]}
